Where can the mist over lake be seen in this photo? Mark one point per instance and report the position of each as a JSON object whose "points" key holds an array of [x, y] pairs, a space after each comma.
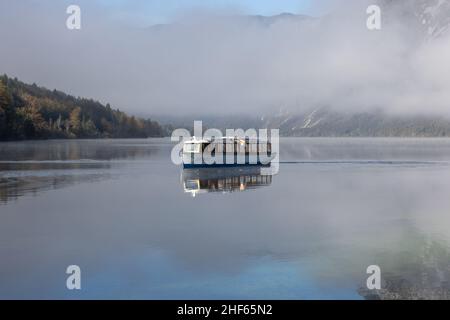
{"points": [[336, 185], [123, 212]]}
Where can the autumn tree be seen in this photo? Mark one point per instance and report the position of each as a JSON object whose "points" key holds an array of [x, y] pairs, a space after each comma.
{"points": [[31, 122], [3, 105], [75, 120], [30, 112]]}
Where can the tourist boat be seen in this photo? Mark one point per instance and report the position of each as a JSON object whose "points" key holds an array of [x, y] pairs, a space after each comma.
{"points": [[226, 152]]}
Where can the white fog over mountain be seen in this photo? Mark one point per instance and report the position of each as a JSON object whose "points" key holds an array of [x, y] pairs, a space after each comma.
{"points": [[218, 63]]}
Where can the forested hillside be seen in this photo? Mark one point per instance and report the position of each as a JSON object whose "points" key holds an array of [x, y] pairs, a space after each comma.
{"points": [[32, 112]]}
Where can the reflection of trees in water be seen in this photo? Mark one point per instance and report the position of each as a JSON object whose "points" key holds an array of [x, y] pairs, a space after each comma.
{"points": [[423, 273], [15, 186], [26, 167], [74, 150], [41, 166]]}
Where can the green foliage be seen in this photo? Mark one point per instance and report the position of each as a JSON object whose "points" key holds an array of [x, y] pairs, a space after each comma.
{"points": [[32, 112]]}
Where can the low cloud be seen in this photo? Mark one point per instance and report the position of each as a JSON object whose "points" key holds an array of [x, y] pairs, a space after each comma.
{"points": [[228, 62]]}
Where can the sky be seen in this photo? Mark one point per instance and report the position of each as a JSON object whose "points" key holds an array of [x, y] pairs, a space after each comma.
{"points": [[163, 11], [213, 58]]}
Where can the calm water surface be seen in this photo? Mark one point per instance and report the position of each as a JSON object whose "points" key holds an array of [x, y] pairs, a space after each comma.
{"points": [[140, 227]]}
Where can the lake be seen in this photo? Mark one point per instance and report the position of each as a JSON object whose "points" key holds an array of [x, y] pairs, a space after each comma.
{"points": [[141, 228]]}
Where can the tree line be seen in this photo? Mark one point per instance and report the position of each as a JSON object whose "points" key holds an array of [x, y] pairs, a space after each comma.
{"points": [[32, 112]]}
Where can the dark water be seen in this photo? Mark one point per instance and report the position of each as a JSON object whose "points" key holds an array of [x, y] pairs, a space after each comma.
{"points": [[139, 227]]}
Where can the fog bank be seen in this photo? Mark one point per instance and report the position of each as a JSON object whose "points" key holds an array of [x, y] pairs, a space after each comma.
{"points": [[222, 62]]}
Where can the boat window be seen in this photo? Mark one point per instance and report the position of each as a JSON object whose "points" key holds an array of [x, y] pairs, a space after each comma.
{"points": [[265, 147], [229, 147], [192, 185], [192, 147], [253, 147], [241, 147], [219, 147], [262, 147]]}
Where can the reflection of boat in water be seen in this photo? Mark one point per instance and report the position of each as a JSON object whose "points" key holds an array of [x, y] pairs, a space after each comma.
{"points": [[224, 180]]}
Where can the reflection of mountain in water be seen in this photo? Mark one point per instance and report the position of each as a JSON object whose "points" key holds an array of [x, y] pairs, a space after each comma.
{"points": [[223, 180], [424, 275]]}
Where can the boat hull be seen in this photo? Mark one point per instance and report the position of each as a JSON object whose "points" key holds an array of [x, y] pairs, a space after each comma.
{"points": [[224, 165]]}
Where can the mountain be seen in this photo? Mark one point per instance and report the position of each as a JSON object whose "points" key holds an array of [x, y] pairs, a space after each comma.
{"points": [[32, 112], [282, 17], [434, 16], [430, 17], [268, 71], [426, 21], [325, 122]]}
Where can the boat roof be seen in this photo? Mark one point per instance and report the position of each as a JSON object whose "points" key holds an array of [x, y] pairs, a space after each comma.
{"points": [[194, 140]]}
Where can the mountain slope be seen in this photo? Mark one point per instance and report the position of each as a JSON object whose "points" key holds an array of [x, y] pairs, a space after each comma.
{"points": [[427, 22], [32, 112], [327, 123], [430, 17]]}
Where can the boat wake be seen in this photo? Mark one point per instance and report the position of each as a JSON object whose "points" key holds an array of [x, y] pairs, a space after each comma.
{"points": [[370, 162]]}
